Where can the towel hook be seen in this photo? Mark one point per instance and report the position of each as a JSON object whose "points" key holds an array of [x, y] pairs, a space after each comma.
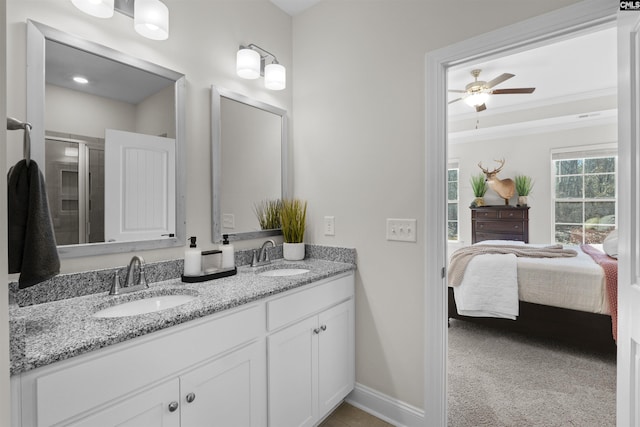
{"points": [[15, 124]]}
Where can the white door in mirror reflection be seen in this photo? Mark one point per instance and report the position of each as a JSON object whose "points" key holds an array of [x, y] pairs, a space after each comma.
{"points": [[139, 186]]}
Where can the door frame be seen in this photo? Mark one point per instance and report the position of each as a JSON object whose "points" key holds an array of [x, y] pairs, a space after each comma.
{"points": [[565, 22]]}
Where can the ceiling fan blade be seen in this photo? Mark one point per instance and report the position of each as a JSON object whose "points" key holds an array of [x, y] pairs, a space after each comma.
{"points": [[455, 100], [513, 90], [481, 107], [499, 79], [457, 90]]}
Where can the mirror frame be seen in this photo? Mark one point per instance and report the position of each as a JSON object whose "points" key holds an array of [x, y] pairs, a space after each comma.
{"points": [[37, 34], [216, 160]]}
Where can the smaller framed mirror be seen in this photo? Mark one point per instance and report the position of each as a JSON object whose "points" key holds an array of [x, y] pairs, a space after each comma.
{"points": [[249, 163]]}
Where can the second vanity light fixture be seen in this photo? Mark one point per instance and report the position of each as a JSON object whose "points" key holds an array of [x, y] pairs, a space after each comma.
{"points": [[150, 17], [251, 63]]}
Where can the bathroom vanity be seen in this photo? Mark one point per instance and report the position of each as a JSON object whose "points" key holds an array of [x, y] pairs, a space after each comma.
{"points": [[249, 350]]}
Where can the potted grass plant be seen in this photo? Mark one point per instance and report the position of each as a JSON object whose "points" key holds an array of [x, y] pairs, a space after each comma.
{"points": [[293, 214], [524, 185], [268, 213], [479, 187]]}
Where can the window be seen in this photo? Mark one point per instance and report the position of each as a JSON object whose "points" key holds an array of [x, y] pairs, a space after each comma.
{"points": [[585, 196], [452, 203]]}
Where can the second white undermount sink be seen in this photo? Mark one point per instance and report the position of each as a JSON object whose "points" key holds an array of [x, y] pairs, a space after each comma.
{"points": [[145, 305], [283, 272]]}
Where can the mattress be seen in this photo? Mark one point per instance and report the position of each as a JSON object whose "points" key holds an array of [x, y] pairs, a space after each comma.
{"points": [[576, 283]]}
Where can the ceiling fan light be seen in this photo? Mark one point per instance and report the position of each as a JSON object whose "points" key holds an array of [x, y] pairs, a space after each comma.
{"points": [[97, 8], [476, 99]]}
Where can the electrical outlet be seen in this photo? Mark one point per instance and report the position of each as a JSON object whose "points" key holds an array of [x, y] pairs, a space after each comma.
{"points": [[228, 221], [329, 225], [402, 230]]}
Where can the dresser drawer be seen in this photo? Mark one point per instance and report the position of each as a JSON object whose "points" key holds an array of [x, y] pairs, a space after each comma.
{"points": [[488, 214], [511, 214], [497, 226]]}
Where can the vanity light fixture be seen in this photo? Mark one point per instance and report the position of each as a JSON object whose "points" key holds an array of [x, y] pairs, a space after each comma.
{"points": [[251, 63], [150, 17]]}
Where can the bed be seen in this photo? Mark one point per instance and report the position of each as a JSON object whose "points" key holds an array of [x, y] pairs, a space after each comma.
{"points": [[567, 295]]}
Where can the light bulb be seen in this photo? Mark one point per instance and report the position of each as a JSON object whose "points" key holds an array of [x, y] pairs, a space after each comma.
{"points": [[275, 77], [248, 64], [97, 8], [151, 19]]}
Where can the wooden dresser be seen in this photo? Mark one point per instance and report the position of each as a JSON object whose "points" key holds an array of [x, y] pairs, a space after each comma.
{"points": [[500, 223]]}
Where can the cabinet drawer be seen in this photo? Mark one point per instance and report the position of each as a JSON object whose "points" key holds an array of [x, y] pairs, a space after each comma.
{"points": [[82, 383], [300, 304], [507, 227]]}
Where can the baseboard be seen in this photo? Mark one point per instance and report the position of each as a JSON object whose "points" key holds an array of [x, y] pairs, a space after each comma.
{"points": [[391, 410]]}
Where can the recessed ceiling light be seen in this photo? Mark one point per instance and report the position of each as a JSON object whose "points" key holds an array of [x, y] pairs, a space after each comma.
{"points": [[81, 80]]}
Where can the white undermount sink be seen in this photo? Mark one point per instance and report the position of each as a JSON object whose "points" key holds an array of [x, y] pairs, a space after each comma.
{"points": [[145, 305], [283, 272]]}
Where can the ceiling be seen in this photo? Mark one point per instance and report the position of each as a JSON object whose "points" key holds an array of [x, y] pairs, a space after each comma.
{"points": [[294, 7], [579, 68], [107, 78]]}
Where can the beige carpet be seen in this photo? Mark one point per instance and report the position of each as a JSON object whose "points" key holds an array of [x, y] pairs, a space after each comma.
{"points": [[499, 378]]}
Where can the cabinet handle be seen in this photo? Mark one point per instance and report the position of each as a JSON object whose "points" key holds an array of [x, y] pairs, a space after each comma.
{"points": [[316, 331], [191, 397], [323, 327], [173, 406]]}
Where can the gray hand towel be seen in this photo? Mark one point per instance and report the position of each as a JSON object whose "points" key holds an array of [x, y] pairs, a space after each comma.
{"points": [[32, 243]]}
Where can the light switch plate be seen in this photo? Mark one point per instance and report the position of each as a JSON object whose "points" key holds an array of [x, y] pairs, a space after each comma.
{"points": [[228, 221], [329, 225], [402, 230]]}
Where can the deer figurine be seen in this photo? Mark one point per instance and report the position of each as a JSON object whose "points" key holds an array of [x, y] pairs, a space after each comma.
{"points": [[504, 187]]}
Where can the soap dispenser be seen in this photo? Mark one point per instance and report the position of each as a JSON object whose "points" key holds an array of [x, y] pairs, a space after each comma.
{"points": [[228, 254], [192, 259]]}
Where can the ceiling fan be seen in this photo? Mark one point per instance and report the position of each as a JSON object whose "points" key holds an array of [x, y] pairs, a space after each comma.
{"points": [[477, 92]]}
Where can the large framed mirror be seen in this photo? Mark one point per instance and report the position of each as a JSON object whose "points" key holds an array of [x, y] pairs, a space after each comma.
{"points": [[108, 134], [249, 163]]}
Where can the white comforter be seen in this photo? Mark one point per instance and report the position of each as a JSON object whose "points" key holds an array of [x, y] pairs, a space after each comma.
{"points": [[575, 283], [489, 287]]}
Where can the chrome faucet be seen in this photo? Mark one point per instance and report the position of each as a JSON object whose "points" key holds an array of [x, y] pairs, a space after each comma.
{"points": [[129, 286], [262, 257]]}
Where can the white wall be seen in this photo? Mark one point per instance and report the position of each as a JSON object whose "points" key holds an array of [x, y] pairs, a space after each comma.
{"points": [[78, 113], [5, 400], [203, 41], [155, 115], [359, 155], [525, 155]]}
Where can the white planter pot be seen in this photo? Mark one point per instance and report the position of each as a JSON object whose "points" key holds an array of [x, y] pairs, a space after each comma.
{"points": [[522, 200], [293, 251]]}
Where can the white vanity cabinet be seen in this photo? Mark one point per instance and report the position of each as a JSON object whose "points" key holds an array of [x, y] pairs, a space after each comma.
{"points": [[208, 369], [310, 352], [228, 391], [285, 360]]}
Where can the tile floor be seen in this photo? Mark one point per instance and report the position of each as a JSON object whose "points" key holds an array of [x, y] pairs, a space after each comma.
{"points": [[348, 416]]}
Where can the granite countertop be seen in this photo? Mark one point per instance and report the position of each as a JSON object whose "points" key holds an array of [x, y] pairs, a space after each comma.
{"points": [[45, 333]]}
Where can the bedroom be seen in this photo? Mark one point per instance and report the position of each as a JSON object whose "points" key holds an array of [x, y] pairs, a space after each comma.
{"points": [[571, 115]]}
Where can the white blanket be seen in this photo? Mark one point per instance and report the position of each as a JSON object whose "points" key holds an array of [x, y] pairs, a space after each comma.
{"points": [[489, 287]]}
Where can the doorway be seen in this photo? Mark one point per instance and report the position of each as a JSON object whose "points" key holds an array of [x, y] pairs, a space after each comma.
{"points": [[531, 33], [562, 119]]}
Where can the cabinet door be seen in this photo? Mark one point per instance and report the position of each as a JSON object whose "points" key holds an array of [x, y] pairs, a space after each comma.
{"points": [[336, 370], [227, 392], [293, 397], [150, 408]]}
